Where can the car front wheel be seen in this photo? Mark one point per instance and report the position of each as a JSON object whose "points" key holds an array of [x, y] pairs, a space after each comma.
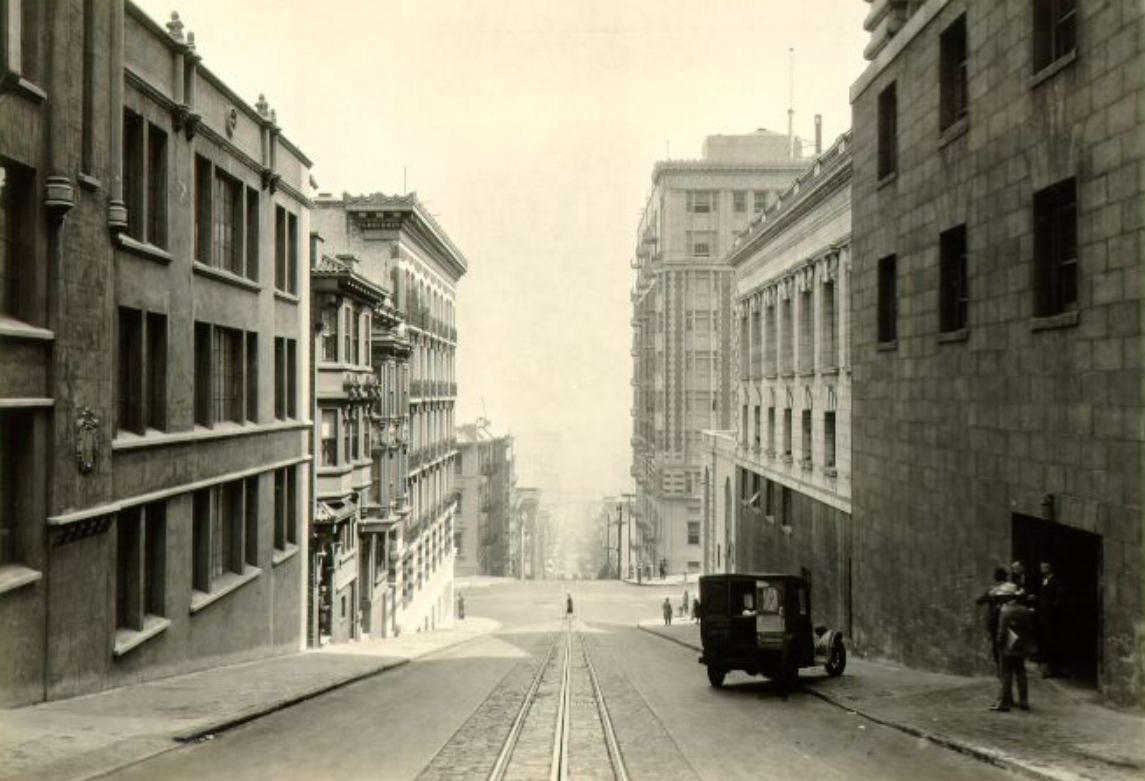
{"points": [[716, 676]]}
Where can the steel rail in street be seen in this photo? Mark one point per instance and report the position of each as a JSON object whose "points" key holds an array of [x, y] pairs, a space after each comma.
{"points": [[613, 746], [506, 753]]}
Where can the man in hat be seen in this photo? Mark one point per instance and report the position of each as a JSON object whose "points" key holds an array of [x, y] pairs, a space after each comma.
{"points": [[1015, 642], [993, 607]]}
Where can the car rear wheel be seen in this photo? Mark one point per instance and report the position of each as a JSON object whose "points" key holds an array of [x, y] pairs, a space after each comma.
{"points": [[716, 676], [837, 661]]}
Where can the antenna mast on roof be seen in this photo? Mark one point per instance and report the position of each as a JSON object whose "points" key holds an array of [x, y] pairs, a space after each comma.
{"points": [[791, 103]]}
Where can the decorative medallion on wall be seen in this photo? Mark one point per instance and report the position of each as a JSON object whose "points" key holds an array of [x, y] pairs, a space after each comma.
{"points": [[87, 442], [232, 119]]}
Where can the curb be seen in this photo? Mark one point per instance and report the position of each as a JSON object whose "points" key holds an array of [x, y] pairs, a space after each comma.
{"points": [[251, 715], [983, 755]]}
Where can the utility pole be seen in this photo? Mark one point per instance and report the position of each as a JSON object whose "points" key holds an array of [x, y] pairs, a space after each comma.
{"points": [[619, 541]]}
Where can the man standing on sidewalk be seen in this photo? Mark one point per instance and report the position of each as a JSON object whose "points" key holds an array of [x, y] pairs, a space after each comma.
{"points": [[1016, 642], [992, 608], [667, 610]]}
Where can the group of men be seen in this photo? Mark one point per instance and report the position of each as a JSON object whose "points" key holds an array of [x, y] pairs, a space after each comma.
{"points": [[1020, 625]]}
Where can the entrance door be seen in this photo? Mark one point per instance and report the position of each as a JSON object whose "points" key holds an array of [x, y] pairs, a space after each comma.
{"points": [[1076, 558]]}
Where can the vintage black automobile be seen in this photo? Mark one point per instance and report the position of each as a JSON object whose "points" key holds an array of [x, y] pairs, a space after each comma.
{"points": [[761, 624]]}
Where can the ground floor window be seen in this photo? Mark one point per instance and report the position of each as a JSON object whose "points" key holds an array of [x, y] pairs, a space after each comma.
{"points": [[140, 564], [224, 532]]}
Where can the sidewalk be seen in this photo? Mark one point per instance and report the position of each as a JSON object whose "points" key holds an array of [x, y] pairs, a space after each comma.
{"points": [[91, 735], [1062, 737]]}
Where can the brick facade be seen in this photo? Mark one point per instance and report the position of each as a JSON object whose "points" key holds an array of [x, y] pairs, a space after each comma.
{"points": [[1021, 430]]}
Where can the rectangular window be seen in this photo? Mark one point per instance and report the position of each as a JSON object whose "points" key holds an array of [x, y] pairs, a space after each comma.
{"points": [[806, 332], [786, 333], [952, 84], [25, 60], [227, 235], [155, 361], [806, 436], [739, 201], [329, 436], [285, 379], [130, 371], [250, 521], [17, 200], [251, 376], [759, 201], [285, 250], [888, 132], [701, 201], [202, 210], [140, 555], [330, 334], [1055, 30], [1055, 249], [693, 532], [202, 379], [771, 431], [952, 280], [756, 440], [829, 439], [227, 372], [356, 336], [701, 243], [252, 233], [285, 507], [888, 303], [218, 533], [141, 373], [787, 432], [348, 427], [145, 179], [355, 438]]}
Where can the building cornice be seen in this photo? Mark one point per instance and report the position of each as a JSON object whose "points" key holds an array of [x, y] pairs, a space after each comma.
{"points": [[830, 172], [887, 54]]}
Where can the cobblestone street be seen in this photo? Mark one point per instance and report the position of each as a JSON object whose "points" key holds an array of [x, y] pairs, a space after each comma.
{"points": [[447, 715]]}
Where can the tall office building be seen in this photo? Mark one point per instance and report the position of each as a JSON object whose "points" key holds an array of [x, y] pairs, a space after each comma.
{"points": [[682, 323]]}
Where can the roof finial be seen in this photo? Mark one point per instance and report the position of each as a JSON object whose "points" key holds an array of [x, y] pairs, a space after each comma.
{"points": [[190, 40], [175, 27], [262, 107]]}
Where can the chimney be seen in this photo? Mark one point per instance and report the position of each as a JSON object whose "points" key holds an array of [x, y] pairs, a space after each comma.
{"points": [[818, 134]]}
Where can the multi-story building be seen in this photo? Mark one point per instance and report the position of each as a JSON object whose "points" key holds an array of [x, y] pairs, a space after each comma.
{"points": [[399, 244], [681, 319], [347, 393], [484, 521], [997, 341], [528, 507], [785, 507], [153, 322]]}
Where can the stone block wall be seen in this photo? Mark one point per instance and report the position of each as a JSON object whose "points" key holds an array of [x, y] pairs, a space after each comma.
{"points": [[951, 439]]}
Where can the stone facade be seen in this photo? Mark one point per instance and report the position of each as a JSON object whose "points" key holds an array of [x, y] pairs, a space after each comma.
{"points": [[783, 503], [152, 306], [1015, 432], [682, 326], [398, 244]]}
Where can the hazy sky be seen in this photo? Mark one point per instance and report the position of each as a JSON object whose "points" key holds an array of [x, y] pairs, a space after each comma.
{"points": [[530, 127]]}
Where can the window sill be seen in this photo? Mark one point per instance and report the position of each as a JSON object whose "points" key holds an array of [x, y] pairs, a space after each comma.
{"points": [[14, 576], [787, 373], [955, 129], [127, 639], [829, 371], [282, 555], [25, 89], [769, 518], [946, 337], [126, 440], [222, 586], [805, 465], [18, 329], [787, 459], [887, 179], [336, 470], [1055, 67], [142, 248], [807, 373], [1062, 320], [289, 298], [223, 275], [887, 346], [830, 471]]}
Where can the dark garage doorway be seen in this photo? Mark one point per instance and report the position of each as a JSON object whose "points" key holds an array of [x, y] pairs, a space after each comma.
{"points": [[1076, 559]]}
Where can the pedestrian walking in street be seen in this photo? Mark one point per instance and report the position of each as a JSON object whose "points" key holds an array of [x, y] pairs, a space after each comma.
{"points": [[667, 610], [695, 610], [993, 605], [1016, 642], [461, 606], [685, 604], [568, 606], [1048, 618]]}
